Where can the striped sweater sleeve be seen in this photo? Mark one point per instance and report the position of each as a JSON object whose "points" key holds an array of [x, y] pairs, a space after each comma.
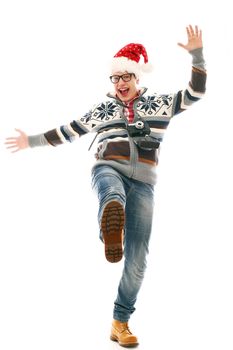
{"points": [[62, 134], [197, 85]]}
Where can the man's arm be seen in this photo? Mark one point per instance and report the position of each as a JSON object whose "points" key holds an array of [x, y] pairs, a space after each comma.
{"points": [[54, 137], [197, 85]]}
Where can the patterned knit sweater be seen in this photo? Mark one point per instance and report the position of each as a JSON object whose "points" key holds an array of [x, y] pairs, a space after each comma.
{"points": [[108, 120]]}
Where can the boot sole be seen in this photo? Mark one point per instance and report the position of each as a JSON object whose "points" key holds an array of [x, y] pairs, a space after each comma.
{"points": [[129, 345], [112, 225]]}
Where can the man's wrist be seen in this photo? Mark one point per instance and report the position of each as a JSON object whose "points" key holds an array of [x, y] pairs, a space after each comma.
{"points": [[37, 140], [198, 58]]}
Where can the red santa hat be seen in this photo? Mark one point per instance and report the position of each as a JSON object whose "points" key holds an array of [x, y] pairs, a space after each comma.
{"points": [[127, 59]]}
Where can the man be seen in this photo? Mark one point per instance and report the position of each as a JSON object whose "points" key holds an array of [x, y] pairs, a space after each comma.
{"points": [[130, 127]]}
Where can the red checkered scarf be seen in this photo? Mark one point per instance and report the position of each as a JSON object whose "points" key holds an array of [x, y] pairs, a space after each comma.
{"points": [[128, 110]]}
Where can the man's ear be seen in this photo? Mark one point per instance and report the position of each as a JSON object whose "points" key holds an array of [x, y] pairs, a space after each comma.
{"points": [[137, 80]]}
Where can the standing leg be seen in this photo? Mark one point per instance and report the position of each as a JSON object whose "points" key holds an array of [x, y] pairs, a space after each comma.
{"points": [[139, 216]]}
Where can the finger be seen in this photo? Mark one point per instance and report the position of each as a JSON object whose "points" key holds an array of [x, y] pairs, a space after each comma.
{"points": [[19, 131], [12, 146], [196, 31], [10, 142], [191, 30], [15, 150], [181, 45], [200, 34], [188, 32], [11, 139]]}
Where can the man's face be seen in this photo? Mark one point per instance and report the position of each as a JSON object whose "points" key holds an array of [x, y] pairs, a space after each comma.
{"points": [[126, 90]]}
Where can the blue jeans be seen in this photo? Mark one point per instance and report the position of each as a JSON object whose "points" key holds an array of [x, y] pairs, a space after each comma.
{"points": [[138, 200]]}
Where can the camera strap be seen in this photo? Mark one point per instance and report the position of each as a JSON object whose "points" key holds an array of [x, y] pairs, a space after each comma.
{"points": [[92, 142]]}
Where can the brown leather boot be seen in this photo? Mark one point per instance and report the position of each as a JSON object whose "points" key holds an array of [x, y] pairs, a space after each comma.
{"points": [[120, 332], [112, 225]]}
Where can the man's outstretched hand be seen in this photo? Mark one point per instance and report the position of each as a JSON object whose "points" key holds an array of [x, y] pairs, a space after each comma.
{"points": [[17, 143], [194, 38]]}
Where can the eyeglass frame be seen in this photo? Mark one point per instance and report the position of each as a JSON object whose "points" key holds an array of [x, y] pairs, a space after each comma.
{"points": [[121, 77]]}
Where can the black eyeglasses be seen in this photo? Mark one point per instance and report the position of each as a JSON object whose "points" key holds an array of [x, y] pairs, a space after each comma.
{"points": [[125, 77]]}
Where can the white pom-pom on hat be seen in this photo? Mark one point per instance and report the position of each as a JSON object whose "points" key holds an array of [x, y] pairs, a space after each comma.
{"points": [[127, 59], [147, 67]]}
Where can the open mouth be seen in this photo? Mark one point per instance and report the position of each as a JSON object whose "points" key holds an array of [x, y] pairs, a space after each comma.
{"points": [[123, 91]]}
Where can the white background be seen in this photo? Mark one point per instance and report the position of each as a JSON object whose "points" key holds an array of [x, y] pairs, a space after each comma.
{"points": [[56, 289]]}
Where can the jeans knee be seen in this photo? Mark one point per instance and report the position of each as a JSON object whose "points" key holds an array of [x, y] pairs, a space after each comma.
{"points": [[136, 270], [112, 193]]}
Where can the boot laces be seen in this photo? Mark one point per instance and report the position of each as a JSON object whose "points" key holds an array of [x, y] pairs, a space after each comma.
{"points": [[126, 328]]}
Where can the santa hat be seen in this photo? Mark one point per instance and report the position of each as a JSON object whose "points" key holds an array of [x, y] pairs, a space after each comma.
{"points": [[127, 59]]}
